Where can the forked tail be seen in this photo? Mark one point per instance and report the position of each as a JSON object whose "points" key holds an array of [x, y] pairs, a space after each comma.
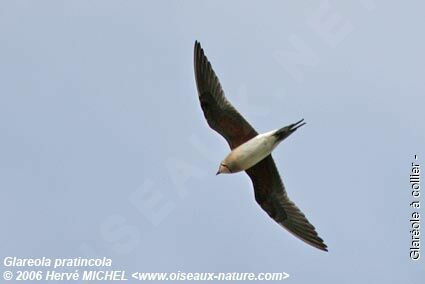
{"points": [[284, 132]]}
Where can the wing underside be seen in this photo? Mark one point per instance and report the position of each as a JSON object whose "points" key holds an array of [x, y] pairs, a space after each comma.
{"points": [[271, 195], [268, 187], [219, 113]]}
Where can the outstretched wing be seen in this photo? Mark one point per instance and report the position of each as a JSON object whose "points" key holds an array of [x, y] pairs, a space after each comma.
{"points": [[220, 114], [271, 195], [226, 120]]}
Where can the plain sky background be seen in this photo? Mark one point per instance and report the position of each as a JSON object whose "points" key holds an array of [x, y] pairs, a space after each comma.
{"points": [[104, 150]]}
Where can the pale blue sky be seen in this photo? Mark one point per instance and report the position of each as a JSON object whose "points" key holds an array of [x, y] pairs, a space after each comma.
{"points": [[104, 150]]}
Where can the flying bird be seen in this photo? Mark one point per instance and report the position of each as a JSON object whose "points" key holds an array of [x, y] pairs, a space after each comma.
{"points": [[251, 152]]}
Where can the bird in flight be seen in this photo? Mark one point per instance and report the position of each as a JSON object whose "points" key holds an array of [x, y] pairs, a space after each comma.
{"points": [[251, 152]]}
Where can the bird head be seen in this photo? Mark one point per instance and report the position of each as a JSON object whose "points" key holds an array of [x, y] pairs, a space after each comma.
{"points": [[223, 169]]}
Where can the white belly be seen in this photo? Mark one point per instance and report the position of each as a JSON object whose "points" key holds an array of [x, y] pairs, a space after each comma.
{"points": [[251, 152]]}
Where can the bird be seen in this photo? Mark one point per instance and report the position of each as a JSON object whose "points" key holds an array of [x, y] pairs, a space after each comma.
{"points": [[251, 152]]}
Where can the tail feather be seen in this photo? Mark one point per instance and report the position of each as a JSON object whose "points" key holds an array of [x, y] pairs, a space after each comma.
{"points": [[284, 132]]}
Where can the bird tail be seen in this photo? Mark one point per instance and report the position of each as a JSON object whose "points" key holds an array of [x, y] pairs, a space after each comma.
{"points": [[284, 132]]}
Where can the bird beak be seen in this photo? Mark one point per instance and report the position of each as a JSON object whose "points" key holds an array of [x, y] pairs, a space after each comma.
{"points": [[218, 172]]}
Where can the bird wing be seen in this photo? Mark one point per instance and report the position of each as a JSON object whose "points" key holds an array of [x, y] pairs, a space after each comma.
{"points": [[268, 187], [271, 195], [220, 114]]}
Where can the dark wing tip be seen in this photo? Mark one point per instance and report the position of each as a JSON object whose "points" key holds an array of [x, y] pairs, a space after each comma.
{"points": [[198, 50], [298, 224], [196, 47], [318, 243], [198, 55], [307, 235], [306, 232]]}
